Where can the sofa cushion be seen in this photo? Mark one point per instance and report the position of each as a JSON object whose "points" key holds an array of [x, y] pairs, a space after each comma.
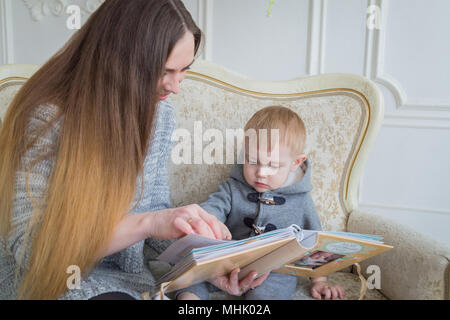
{"points": [[416, 269]]}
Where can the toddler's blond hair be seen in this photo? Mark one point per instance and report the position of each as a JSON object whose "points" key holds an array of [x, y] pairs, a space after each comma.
{"points": [[292, 130]]}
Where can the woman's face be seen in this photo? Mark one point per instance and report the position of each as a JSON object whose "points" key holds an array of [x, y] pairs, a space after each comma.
{"points": [[179, 61]]}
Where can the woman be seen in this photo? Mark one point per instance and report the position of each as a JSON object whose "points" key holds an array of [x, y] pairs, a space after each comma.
{"points": [[84, 148]]}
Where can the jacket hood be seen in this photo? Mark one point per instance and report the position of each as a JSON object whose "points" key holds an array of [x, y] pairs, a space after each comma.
{"points": [[294, 183]]}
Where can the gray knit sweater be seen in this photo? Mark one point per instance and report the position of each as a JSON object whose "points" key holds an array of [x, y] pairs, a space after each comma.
{"points": [[122, 272]]}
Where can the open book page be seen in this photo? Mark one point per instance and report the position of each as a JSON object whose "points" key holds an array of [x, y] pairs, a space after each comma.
{"points": [[182, 247], [205, 248], [208, 253], [366, 237]]}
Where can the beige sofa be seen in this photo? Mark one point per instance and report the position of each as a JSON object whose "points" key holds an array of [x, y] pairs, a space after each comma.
{"points": [[343, 114]]}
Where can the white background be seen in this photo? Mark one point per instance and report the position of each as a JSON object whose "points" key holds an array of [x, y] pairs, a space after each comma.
{"points": [[407, 176]]}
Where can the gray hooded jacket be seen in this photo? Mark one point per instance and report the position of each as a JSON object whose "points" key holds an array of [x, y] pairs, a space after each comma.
{"points": [[236, 204]]}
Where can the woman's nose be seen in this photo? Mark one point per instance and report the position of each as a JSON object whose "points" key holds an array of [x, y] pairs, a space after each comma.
{"points": [[173, 85]]}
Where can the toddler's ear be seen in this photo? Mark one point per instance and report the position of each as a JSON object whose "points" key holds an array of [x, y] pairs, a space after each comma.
{"points": [[298, 161], [302, 158]]}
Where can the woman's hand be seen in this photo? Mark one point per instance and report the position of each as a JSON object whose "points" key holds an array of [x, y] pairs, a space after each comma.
{"points": [[178, 222], [234, 287], [165, 225]]}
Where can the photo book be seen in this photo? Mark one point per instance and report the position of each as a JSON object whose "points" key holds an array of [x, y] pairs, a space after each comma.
{"points": [[291, 251]]}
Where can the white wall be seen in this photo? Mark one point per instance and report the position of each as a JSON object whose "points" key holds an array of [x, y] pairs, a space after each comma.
{"points": [[245, 40], [407, 176]]}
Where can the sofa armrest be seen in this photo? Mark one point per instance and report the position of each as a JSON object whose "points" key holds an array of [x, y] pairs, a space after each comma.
{"points": [[418, 266]]}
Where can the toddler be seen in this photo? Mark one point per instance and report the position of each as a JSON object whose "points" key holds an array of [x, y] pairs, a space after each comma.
{"points": [[270, 191]]}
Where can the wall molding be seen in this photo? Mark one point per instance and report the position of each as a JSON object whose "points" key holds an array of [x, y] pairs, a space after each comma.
{"points": [[416, 122], [403, 209], [374, 67], [400, 125], [316, 37], [39, 9], [205, 22], [6, 36]]}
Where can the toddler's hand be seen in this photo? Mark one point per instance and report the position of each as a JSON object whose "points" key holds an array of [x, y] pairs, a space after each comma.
{"points": [[234, 287], [322, 288]]}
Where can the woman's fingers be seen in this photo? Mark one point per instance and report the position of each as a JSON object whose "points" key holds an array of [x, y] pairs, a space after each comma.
{"points": [[202, 228], [220, 230], [178, 222], [188, 220], [212, 222], [226, 234], [183, 225]]}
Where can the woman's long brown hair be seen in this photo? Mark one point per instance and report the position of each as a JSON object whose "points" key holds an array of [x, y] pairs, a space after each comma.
{"points": [[104, 81]]}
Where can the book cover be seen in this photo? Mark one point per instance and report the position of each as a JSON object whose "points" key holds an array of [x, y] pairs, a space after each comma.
{"points": [[333, 252]]}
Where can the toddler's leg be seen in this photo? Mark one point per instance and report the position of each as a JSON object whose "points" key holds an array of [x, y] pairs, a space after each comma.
{"points": [[200, 290], [276, 287]]}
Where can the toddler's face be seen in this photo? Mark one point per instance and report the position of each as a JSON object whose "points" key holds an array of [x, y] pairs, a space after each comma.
{"points": [[265, 171]]}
